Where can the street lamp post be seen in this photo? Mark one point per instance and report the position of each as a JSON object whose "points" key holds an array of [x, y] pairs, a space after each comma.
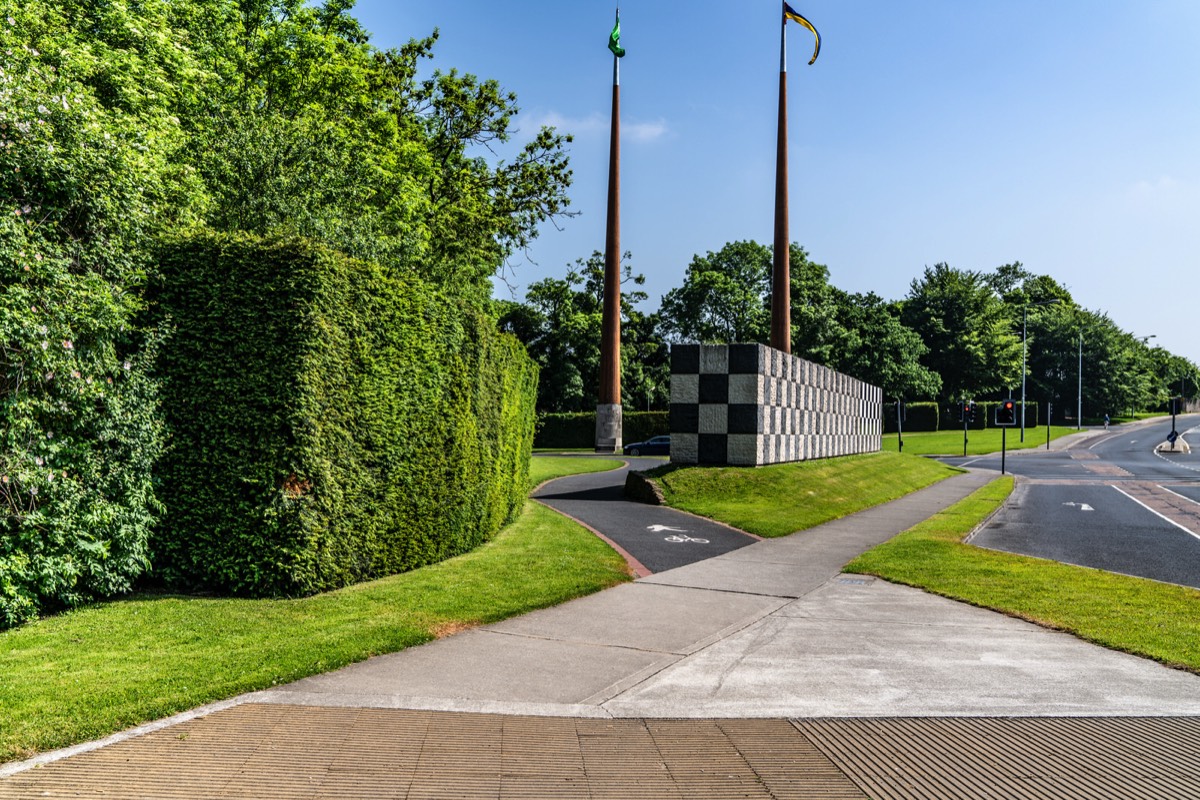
{"points": [[1079, 409], [1144, 340], [1024, 324]]}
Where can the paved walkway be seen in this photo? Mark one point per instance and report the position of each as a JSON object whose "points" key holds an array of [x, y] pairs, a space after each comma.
{"points": [[762, 672]]}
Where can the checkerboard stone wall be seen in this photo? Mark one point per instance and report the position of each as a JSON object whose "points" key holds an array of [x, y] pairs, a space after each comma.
{"points": [[750, 405]]}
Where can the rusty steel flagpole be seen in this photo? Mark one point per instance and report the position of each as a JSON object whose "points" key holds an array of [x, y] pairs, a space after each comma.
{"points": [[781, 283], [608, 411]]}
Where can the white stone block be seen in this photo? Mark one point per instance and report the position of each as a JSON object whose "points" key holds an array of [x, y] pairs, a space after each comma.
{"points": [[745, 388], [685, 388], [714, 359], [714, 418], [685, 448]]}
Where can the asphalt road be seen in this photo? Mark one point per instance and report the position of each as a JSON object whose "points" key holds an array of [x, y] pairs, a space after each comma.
{"points": [[660, 538], [1108, 501]]}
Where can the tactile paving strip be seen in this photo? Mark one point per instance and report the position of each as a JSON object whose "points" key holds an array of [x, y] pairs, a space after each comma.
{"points": [[1015, 759], [284, 752]]}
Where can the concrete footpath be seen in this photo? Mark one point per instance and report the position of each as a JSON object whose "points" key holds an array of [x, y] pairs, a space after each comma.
{"points": [[761, 672]]}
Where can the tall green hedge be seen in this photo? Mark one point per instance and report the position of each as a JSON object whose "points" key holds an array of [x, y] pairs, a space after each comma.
{"points": [[330, 422]]}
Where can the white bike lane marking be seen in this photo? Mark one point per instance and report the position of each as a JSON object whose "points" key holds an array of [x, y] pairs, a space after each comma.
{"points": [[679, 535]]}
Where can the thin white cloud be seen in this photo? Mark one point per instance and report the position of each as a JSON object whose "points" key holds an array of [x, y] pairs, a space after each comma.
{"points": [[592, 124], [645, 131]]}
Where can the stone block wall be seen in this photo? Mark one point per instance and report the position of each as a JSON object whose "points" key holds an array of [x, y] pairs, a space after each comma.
{"points": [[751, 405]]}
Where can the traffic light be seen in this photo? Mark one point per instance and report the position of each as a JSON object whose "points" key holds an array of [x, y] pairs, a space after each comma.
{"points": [[971, 412], [964, 412], [1006, 413]]}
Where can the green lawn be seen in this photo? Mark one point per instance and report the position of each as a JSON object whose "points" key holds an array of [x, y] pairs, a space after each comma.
{"points": [[1155, 620], [783, 498], [88, 673], [950, 443]]}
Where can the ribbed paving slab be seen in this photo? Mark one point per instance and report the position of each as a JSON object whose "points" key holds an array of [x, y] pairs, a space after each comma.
{"points": [[1015, 759], [287, 752]]}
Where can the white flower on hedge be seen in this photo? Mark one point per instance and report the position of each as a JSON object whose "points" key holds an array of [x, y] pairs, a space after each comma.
{"points": [[67, 345], [43, 110], [127, 366], [38, 460]]}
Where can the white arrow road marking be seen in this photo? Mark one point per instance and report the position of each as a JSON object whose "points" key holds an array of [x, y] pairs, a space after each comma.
{"points": [[661, 528], [1080, 506]]}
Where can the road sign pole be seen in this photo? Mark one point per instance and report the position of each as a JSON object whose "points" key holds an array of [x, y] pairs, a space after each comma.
{"points": [[1003, 447], [966, 424], [1049, 414]]}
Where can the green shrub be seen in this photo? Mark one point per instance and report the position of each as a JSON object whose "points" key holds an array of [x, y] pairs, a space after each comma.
{"points": [[86, 175], [330, 422], [918, 417]]}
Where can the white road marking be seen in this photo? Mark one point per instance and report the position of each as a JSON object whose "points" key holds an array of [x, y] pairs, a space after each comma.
{"points": [[1080, 506], [1180, 496], [661, 528], [679, 539], [1155, 513]]}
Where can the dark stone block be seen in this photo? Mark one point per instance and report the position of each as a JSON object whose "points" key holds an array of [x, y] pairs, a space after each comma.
{"points": [[743, 359], [743, 418], [714, 449], [685, 359], [714, 389], [685, 418]]}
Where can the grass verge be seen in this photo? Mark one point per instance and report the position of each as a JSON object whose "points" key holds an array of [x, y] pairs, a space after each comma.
{"points": [[85, 674], [950, 443], [784, 498], [1146, 618]]}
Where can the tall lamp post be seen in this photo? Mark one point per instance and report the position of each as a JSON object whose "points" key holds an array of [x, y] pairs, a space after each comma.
{"points": [[1144, 340], [1024, 324], [1079, 409]]}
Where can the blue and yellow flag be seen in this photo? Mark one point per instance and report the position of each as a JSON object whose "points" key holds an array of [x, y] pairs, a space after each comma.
{"points": [[790, 13], [614, 40]]}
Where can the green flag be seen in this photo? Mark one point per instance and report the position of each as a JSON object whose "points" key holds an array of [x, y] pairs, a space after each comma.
{"points": [[614, 40]]}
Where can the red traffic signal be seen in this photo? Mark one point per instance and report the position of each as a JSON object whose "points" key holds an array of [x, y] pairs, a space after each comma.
{"points": [[1006, 413]]}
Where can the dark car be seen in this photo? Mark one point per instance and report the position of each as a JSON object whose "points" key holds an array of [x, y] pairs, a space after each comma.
{"points": [[654, 446]]}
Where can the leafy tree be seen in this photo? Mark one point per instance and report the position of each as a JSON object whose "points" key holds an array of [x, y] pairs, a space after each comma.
{"points": [[876, 347], [560, 324], [89, 168], [311, 130], [722, 297], [968, 331]]}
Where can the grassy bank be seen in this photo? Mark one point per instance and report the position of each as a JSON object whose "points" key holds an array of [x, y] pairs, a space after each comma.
{"points": [[88, 673], [1134, 615], [783, 498]]}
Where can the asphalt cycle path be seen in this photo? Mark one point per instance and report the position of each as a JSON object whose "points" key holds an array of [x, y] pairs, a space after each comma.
{"points": [[654, 538]]}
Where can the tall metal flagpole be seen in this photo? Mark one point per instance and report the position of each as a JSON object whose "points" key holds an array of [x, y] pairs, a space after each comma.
{"points": [[608, 412], [781, 283]]}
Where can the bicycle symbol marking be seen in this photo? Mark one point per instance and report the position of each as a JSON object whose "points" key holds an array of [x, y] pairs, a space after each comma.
{"points": [[679, 539]]}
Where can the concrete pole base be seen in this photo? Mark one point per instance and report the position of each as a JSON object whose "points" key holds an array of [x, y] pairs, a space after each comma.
{"points": [[608, 428]]}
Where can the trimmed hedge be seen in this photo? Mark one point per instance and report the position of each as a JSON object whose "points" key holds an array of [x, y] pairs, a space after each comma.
{"points": [[932, 417], [578, 429], [918, 417], [330, 422]]}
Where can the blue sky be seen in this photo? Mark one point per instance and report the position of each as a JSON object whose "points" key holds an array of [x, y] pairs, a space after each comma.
{"points": [[1064, 134]]}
